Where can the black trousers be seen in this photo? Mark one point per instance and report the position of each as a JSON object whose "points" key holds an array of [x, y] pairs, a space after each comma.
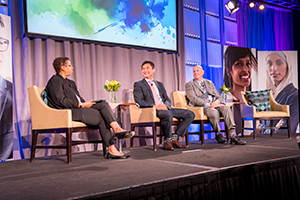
{"points": [[100, 114], [166, 116]]}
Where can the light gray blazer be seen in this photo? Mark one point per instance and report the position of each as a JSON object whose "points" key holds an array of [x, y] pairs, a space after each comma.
{"points": [[196, 95]]}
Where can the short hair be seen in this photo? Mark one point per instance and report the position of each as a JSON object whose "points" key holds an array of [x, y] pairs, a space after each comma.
{"points": [[58, 62], [148, 62]]}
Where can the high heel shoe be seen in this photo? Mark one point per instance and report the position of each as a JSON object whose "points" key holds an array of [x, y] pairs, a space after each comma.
{"points": [[124, 134], [109, 155]]}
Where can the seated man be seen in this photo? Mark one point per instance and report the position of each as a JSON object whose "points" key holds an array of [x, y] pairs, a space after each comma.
{"points": [[62, 94], [151, 93], [202, 92]]}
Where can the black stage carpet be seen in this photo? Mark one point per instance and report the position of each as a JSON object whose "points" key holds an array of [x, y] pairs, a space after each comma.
{"points": [[266, 168]]}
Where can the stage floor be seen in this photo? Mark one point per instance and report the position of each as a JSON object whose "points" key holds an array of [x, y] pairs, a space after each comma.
{"points": [[91, 174]]}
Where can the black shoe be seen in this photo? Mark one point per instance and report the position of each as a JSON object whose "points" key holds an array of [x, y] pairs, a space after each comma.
{"points": [[108, 156], [236, 140], [124, 134], [220, 139]]}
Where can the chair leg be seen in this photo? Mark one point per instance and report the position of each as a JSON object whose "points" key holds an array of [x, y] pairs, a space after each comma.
{"points": [[289, 127], [131, 139], [243, 126], [187, 138], [33, 144], [160, 136], [104, 149], [254, 128], [154, 136], [272, 130], [69, 144], [202, 132]]}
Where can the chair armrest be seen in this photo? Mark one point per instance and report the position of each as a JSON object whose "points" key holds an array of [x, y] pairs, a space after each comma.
{"points": [[44, 117], [198, 111], [278, 107], [142, 115]]}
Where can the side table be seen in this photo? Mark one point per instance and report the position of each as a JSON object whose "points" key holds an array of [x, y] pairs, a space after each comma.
{"points": [[122, 107]]}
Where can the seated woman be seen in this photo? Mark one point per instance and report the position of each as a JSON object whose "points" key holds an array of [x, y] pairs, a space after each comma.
{"points": [[62, 93]]}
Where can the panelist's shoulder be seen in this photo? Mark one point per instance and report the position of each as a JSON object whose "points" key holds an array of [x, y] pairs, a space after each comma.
{"points": [[208, 81], [190, 82], [138, 82]]}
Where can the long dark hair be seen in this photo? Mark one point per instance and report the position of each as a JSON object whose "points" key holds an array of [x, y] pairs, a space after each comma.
{"points": [[232, 54]]}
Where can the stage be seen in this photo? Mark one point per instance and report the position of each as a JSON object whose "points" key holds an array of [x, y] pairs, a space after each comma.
{"points": [[266, 168]]}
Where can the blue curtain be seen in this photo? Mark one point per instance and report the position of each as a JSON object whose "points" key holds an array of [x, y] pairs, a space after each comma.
{"points": [[271, 29]]}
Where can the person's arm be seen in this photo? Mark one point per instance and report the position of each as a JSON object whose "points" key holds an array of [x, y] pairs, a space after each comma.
{"points": [[164, 96], [292, 101], [139, 96], [214, 92]]}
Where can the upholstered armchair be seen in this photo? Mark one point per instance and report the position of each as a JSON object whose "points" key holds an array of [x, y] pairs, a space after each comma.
{"points": [[48, 120], [180, 101], [261, 105], [146, 117]]}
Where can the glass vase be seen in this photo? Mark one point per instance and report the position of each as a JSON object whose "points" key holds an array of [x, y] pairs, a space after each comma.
{"points": [[224, 97], [112, 97]]}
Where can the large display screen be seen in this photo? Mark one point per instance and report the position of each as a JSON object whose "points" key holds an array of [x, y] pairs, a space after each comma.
{"points": [[144, 23]]}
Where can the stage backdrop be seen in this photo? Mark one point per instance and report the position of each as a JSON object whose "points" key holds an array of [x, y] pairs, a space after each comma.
{"points": [[275, 70], [6, 105]]}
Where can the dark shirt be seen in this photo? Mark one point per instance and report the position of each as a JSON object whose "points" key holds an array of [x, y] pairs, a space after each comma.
{"points": [[61, 94]]}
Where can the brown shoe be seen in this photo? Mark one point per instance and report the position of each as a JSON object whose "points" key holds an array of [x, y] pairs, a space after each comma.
{"points": [[176, 144], [168, 145]]}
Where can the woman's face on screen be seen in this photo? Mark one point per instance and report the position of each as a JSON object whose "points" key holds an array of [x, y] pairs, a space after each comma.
{"points": [[241, 72], [277, 68]]}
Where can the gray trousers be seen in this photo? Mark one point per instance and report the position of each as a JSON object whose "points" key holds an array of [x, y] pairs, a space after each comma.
{"points": [[214, 115], [100, 114]]}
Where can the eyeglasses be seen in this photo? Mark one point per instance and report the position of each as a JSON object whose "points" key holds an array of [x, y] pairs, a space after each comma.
{"points": [[3, 44]]}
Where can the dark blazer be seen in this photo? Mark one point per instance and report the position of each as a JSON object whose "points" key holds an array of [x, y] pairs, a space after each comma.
{"points": [[289, 96], [6, 121], [61, 95], [144, 97]]}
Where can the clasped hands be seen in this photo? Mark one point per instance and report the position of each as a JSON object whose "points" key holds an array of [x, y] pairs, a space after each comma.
{"points": [[160, 107], [215, 104]]}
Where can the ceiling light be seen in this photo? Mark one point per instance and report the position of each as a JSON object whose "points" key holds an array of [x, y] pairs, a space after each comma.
{"points": [[252, 4], [232, 6], [261, 7]]}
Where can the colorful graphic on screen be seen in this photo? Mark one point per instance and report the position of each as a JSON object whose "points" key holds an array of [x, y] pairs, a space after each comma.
{"points": [[146, 23]]}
